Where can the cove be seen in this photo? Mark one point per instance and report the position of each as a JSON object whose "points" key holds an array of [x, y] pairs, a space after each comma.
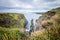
{"points": [[29, 16]]}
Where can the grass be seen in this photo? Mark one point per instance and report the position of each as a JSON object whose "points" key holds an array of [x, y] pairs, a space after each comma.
{"points": [[11, 34], [12, 20]]}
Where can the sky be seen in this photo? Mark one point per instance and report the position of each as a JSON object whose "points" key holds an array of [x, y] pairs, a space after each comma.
{"points": [[28, 5]]}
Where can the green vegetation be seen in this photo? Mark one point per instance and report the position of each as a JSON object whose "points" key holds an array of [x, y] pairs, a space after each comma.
{"points": [[11, 34], [50, 21], [11, 20], [11, 25]]}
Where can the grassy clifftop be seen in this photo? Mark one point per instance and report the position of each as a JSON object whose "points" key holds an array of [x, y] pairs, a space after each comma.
{"points": [[10, 20]]}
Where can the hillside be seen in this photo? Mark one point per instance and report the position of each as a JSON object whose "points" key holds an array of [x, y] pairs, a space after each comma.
{"points": [[12, 26], [50, 23]]}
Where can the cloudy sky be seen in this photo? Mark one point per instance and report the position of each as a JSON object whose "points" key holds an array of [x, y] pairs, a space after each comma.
{"points": [[28, 5]]}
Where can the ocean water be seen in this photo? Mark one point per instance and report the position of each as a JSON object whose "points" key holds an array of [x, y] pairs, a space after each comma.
{"points": [[29, 17]]}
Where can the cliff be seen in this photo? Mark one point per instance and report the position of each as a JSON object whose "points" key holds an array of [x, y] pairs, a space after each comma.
{"points": [[50, 23], [11, 20], [47, 17], [12, 26]]}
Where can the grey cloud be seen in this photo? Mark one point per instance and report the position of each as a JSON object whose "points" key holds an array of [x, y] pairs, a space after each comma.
{"points": [[30, 5], [49, 0]]}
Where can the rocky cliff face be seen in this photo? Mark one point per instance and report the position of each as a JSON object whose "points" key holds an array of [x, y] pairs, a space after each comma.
{"points": [[11, 20], [46, 19]]}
